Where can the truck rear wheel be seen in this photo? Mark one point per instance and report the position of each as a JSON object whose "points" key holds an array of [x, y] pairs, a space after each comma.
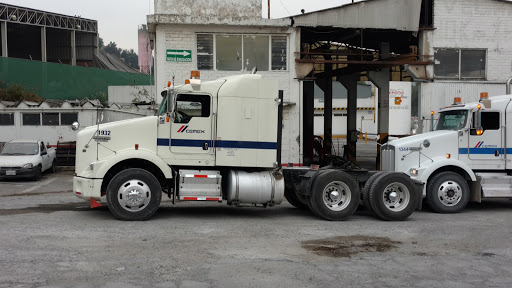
{"points": [[334, 195], [393, 196], [365, 193], [447, 192], [134, 195], [291, 196]]}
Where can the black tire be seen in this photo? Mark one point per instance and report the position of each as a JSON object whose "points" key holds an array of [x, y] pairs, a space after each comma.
{"points": [[143, 205], [399, 206], [291, 196], [37, 173], [365, 193], [53, 169], [334, 195], [447, 192]]}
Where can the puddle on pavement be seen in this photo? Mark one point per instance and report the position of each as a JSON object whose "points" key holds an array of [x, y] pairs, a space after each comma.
{"points": [[47, 208], [346, 246]]}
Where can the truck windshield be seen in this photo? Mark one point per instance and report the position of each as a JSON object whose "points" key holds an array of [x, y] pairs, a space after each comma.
{"points": [[163, 106], [452, 120], [20, 149]]}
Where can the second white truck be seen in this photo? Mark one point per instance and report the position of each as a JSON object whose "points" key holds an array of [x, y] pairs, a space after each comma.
{"points": [[467, 158]]}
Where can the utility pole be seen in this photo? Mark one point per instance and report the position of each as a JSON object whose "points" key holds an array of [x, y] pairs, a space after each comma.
{"points": [[268, 9]]}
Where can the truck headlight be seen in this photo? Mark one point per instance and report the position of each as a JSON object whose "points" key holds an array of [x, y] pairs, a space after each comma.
{"points": [[413, 172], [28, 166]]}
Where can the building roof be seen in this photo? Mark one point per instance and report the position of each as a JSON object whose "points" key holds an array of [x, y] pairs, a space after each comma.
{"points": [[401, 15], [108, 61]]}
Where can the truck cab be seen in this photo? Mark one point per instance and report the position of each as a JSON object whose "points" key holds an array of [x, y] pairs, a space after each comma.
{"points": [[465, 158]]}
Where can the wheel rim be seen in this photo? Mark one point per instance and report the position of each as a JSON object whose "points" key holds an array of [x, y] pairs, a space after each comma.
{"points": [[449, 193], [396, 197], [336, 196], [134, 195]]}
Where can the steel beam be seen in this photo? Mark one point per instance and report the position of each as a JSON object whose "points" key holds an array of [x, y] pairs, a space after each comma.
{"points": [[308, 105], [73, 48], [3, 29], [44, 55]]}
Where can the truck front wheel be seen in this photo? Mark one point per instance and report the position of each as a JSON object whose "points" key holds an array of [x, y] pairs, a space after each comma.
{"points": [[134, 195], [334, 195], [447, 192]]}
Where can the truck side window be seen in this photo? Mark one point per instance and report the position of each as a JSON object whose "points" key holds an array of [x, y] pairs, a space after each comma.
{"points": [[490, 121], [189, 106]]}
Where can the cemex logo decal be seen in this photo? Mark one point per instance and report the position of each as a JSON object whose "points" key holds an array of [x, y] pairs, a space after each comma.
{"points": [[481, 145], [183, 129]]}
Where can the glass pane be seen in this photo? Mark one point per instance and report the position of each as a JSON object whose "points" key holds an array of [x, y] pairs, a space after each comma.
{"points": [[279, 49], [491, 120], [68, 118], [31, 119], [205, 51], [189, 106], [446, 63], [7, 119], [229, 52], [473, 63], [51, 119], [256, 52]]}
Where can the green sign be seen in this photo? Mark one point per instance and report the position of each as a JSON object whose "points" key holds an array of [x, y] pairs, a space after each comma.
{"points": [[179, 55]]}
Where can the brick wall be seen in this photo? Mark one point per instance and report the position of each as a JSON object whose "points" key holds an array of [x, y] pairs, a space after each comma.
{"points": [[479, 24]]}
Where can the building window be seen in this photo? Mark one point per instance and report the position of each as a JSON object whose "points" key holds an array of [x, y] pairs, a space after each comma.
{"points": [[460, 64], [205, 51], [6, 119], [225, 52], [68, 118], [31, 119], [50, 119]]}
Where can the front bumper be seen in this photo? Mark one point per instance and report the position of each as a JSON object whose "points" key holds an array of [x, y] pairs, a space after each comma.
{"points": [[18, 172], [86, 188]]}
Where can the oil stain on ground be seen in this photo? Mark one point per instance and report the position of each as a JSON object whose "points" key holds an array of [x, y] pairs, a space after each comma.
{"points": [[346, 246], [48, 208]]}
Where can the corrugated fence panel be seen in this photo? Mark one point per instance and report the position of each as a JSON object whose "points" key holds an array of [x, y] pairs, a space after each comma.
{"points": [[441, 94], [58, 81]]}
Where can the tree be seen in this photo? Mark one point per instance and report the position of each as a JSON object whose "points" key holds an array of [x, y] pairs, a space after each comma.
{"points": [[111, 48]]}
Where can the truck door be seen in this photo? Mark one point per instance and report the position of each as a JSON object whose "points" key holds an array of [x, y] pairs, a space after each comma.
{"points": [[489, 145], [193, 126], [45, 158]]}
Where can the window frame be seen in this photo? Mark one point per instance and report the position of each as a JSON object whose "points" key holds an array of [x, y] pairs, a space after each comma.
{"points": [[60, 118], [11, 116], [459, 73], [242, 35], [32, 113]]}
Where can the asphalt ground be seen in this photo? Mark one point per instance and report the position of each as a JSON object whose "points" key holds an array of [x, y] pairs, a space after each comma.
{"points": [[50, 238]]}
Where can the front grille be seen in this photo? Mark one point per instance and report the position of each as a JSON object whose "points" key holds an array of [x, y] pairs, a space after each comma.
{"points": [[387, 157]]}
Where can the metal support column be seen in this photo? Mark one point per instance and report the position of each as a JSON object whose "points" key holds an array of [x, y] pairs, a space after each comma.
{"points": [[308, 110], [350, 83], [3, 29], [44, 57], [328, 110], [381, 80], [73, 48]]}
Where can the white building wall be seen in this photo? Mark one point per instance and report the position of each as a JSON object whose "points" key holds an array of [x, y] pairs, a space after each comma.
{"points": [[183, 37], [123, 95], [479, 24], [223, 8]]}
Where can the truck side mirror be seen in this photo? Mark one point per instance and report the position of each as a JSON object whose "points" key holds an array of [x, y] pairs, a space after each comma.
{"points": [[476, 127]]}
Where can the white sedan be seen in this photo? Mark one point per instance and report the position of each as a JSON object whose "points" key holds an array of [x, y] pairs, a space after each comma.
{"points": [[26, 158]]}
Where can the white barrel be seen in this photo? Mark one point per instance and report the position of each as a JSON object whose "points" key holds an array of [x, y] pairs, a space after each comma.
{"points": [[263, 187]]}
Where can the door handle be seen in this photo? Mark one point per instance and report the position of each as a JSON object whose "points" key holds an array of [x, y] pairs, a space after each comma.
{"points": [[496, 153], [205, 146]]}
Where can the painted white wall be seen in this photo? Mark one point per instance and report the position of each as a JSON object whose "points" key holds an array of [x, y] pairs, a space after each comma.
{"points": [[123, 95]]}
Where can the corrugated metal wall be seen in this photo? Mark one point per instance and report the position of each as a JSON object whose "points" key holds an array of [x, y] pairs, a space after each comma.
{"points": [[434, 96], [385, 14]]}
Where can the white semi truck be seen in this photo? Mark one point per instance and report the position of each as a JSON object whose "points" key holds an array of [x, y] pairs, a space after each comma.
{"points": [[467, 158], [220, 141]]}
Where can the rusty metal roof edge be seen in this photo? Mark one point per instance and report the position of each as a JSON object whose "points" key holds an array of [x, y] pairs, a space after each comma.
{"points": [[229, 21]]}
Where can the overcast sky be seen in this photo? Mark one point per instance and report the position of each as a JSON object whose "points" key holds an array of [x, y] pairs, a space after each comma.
{"points": [[118, 19]]}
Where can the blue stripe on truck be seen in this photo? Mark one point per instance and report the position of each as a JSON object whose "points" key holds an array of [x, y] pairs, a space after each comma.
{"points": [[218, 144]]}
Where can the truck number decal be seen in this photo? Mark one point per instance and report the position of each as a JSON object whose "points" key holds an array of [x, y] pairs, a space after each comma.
{"points": [[404, 148], [104, 132]]}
